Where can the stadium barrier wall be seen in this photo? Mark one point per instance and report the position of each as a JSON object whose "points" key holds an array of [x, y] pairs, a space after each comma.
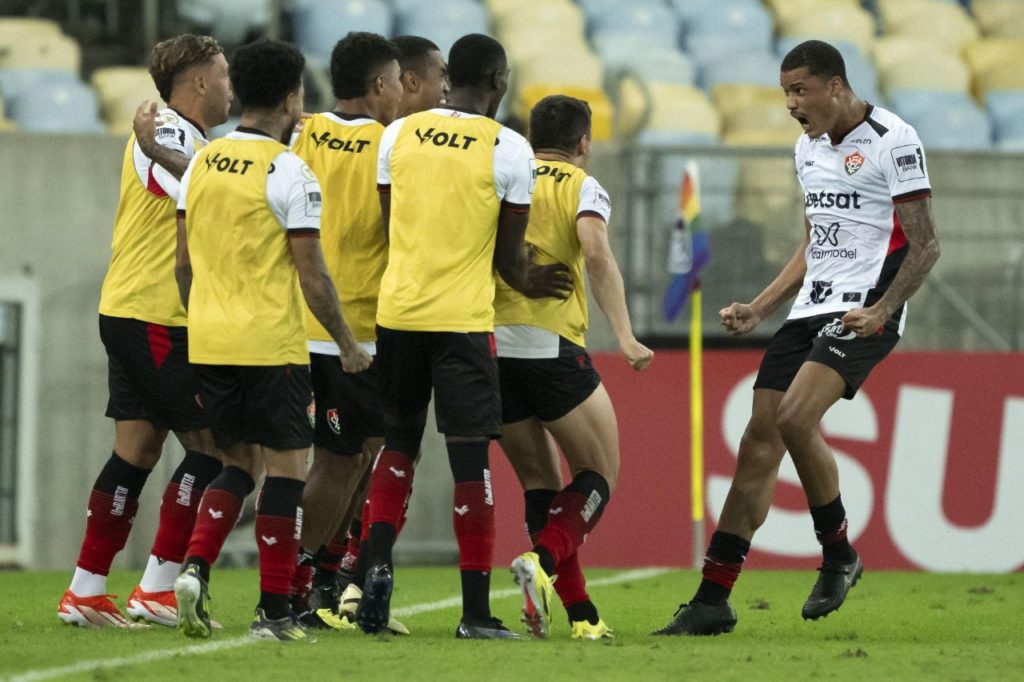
{"points": [[58, 195], [930, 455]]}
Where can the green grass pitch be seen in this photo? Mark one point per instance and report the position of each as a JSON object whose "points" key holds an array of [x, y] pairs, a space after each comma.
{"points": [[905, 626]]}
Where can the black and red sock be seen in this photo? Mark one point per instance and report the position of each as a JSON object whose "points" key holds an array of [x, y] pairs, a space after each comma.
{"points": [[390, 484], [112, 505], [473, 520], [278, 530], [180, 504], [722, 564], [218, 513], [830, 528], [573, 514]]}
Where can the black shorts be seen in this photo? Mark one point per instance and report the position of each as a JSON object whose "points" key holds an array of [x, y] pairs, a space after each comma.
{"points": [[149, 375], [821, 339], [459, 366], [347, 405], [548, 388], [269, 406]]}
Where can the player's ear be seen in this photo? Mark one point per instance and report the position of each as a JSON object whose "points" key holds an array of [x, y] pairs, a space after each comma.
{"points": [[410, 83]]}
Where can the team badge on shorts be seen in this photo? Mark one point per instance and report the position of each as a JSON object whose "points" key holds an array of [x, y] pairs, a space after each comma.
{"points": [[311, 413], [853, 162], [333, 420]]}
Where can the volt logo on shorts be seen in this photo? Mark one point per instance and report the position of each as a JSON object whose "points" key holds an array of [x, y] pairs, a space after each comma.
{"points": [[441, 138], [333, 420], [835, 330]]}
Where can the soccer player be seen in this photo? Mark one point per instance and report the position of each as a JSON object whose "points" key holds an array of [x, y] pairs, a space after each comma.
{"points": [[869, 242], [455, 190], [142, 326], [424, 75], [341, 149], [248, 252], [548, 383]]}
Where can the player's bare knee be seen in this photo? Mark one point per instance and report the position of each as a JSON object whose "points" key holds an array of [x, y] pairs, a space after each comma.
{"points": [[793, 424]]}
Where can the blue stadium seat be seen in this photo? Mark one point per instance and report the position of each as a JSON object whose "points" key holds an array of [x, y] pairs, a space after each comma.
{"points": [[753, 68], [692, 10], [320, 24], [916, 104], [744, 21], [230, 22], [593, 7], [443, 22], [664, 64], [1006, 108], [13, 82], [951, 125], [654, 21], [68, 107]]}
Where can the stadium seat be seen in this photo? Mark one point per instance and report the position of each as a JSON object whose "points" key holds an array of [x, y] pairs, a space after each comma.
{"points": [[999, 18], [691, 10], [580, 68], [121, 89], [1006, 76], [664, 107], [521, 45], [750, 68], [600, 106], [13, 82], [774, 137], [667, 65], [944, 24], [229, 22], [1006, 109], [319, 24], [442, 20], [831, 21], [592, 7], [39, 49], [657, 23], [553, 17], [68, 107], [963, 127], [787, 10], [749, 22], [908, 62], [913, 104], [982, 55], [729, 98]]}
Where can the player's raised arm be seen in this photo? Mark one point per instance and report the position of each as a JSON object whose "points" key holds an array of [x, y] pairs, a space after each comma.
{"points": [[145, 125]]}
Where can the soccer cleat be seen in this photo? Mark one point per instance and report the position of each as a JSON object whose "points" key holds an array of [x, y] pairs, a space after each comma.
{"points": [[326, 593], [350, 604], [834, 582], [287, 629], [537, 588], [323, 619], [488, 628], [153, 607], [583, 629], [98, 611], [193, 597], [700, 618], [374, 608]]}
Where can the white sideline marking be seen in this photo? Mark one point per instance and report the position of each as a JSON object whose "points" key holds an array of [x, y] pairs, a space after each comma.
{"points": [[211, 647]]}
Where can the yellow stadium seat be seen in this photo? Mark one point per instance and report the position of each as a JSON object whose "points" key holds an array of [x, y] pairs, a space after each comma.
{"points": [[730, 98], [942, 23], [600, 106], [121, 89], [40, 50], [521, 45], [556, 15], [762, 117], [761, 138], [982, 55], [999, 18], [666, 107], [912, 62], [27, 27], [1007, 76], [832, 21], [580, 68], [787, 10]]}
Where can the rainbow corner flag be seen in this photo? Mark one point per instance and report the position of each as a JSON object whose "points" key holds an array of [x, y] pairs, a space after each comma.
{"points": [[689, 248]]}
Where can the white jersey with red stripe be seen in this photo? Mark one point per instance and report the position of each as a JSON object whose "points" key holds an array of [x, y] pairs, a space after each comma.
{"points": [[176, 132], [851, 187]]}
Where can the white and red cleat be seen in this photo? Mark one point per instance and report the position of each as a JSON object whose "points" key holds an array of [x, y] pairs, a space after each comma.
{"points": [[153, 607], [92, 612]]}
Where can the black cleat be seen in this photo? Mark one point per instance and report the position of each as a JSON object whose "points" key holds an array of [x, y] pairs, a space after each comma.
{"points": [[700, 618], [326, 593], [488, 628], [834, 581], [375, 605]]}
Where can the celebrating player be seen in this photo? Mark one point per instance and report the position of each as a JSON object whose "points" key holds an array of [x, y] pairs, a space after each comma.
{"points": [[869, 243], [248, 252], [142, 324]]}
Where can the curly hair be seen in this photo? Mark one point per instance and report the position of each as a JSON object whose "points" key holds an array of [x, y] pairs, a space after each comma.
{"points": [[264, 72], [355, 58], [820, 58], [172, 57]]}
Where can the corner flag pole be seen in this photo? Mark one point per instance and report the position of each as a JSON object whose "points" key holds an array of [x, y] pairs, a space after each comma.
{"points": [[697, 427]]}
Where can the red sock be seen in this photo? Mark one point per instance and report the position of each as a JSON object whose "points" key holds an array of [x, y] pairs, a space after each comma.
{"points": [[278, 529], [217, 516], [180, 505], [473, 519], [574, 512], [364, 530], [112, 505], [571, 586], [389, 488]]}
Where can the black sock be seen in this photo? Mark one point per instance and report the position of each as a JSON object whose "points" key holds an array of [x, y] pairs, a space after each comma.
{"points": [[538, 502], [119, 473], [362, 564], [584, 610], [275, 606], [476, 590], [830, 528], [202, 564], [382, 538], [725, 556], [547, 562]]}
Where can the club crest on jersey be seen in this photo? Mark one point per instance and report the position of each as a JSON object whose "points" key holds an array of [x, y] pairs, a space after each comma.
{"points": [[853, 162], [333, 420]]}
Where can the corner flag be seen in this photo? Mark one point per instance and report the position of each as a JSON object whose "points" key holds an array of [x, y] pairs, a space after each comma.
{"points": [[689, 249]]}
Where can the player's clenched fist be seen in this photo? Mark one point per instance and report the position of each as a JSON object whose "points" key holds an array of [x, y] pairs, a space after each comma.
{"points": [[739, 318]]}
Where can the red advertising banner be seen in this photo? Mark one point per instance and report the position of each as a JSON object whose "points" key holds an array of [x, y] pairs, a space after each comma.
{"points": [[930, 455]]}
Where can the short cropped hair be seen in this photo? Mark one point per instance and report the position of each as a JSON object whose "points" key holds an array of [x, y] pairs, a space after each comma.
{"points": [[474, 59], [172, 57], [355, 58], [414, 51], [820, 58], [558, 122], [264, 72]]}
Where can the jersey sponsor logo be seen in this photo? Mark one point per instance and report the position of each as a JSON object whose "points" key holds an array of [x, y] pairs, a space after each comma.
{"points": [[854, 162], [333, 420], [824, 199], [442, 138], [553, 172], [308, 173], [909, 162], [314, 199], [826, 234], [808, 164], [836, 330], [226, 164], [603, 200], [833, 349], [820, 291], [861, 140], [851, 297], [826, 243], [337, 144]]}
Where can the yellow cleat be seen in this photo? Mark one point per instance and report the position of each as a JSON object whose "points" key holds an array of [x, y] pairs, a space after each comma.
{"points": [[537, 588], [582, 629]]}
